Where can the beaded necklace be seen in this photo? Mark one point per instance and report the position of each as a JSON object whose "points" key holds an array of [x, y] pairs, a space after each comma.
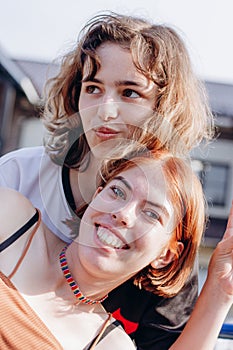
{"points": [[73, 285]]}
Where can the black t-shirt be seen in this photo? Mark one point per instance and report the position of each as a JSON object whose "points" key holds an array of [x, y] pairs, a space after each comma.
{"points": [[153, 322]]}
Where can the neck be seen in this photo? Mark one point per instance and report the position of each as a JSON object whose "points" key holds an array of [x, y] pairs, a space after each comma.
{"points": [[82, 189], [89, 286]]}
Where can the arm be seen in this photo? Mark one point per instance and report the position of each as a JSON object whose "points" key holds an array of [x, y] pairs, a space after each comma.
{"points": [[215, 299]]}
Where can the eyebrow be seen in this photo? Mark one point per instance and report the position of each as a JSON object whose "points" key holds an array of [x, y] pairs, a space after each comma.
{"points": [[125, 182], [161, 207], [117, 83]]}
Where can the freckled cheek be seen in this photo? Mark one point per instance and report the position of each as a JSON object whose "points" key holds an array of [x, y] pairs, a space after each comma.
{"points": [[142, 234], [99, 203], [85, 230], [150, 250], [104, 205], [155, 240]]}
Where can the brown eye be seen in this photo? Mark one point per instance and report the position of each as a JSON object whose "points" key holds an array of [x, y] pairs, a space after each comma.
{"points": [[130, 93], [92, 89]]}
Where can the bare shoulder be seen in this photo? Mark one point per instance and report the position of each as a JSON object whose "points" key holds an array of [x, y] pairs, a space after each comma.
{"points": [[15, 211]]}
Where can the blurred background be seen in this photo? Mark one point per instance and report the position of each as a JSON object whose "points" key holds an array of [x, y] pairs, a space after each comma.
{"points": [[42, 29], [35, 33]]}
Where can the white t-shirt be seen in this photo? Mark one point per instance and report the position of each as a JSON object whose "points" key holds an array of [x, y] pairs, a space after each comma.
{"points": [[31, 172]]}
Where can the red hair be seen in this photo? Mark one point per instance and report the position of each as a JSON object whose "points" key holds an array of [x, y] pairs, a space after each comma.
{"points": [[186, 195]]}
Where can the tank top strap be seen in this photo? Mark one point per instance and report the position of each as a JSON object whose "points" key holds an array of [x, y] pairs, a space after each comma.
{"points": [[20, 231], [35, 219], [96, 340], [107, 327]]}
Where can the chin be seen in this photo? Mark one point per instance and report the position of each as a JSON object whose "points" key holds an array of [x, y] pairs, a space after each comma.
{"points": [[100, 150]]}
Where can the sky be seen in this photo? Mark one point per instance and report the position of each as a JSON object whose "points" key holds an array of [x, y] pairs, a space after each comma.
{"points": [[43, 30]]}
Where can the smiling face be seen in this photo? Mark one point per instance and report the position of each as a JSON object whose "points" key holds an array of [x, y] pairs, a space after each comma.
{"points": [[118, 97], [127, 225]]}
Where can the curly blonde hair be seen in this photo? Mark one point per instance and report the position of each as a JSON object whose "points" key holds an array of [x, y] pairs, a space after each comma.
{"points": [[181, 118]]}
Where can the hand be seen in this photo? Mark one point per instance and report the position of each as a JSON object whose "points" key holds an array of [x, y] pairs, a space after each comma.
{"points": [[221, 263]]}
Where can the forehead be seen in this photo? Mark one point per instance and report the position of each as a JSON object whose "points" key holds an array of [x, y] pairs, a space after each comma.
{"points": [[113, 55], [109, 50], [146, 177]]}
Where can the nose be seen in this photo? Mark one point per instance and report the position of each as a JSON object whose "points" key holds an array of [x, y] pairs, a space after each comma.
{"points": [[108, 109], [126, 216]]}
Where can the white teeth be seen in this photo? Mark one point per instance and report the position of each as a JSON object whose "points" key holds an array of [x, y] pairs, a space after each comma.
{"points": [[107, 238]]}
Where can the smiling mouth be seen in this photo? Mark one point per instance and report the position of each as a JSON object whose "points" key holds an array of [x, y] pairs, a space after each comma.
{"points": [[107, 238]]}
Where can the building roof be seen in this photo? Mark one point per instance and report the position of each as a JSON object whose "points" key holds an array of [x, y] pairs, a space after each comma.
{"points": [[18, 77], [37, 72]]}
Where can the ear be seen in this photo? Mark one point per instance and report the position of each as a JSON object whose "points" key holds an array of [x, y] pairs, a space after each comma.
{"points": [[167, 256], [99, 189]]}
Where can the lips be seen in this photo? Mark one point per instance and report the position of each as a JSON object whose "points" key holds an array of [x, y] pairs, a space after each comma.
{"points": [[108, 238], [106, 133]]}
